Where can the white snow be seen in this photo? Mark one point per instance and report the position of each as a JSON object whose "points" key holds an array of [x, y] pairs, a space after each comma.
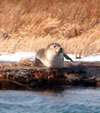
{"points": [[16, 57], [89, 58]]}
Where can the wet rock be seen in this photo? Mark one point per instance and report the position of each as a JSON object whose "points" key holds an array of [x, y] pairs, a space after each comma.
{"points": [[22, 77]]}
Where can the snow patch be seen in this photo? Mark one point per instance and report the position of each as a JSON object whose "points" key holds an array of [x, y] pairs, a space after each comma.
{"points": [[16, 57], [89, 58]]}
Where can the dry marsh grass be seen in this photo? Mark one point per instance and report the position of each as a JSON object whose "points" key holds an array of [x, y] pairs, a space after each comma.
{"points": [[27, 25]]}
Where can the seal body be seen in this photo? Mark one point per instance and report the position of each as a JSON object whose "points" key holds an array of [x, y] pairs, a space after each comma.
{"points": [[51, 57]]}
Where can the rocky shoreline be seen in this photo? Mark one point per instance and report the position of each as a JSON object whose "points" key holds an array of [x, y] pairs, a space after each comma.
{"points": [[13, 76]]}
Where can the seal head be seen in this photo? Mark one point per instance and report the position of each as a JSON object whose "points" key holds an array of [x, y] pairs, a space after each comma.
{"points": [[54, 56]]}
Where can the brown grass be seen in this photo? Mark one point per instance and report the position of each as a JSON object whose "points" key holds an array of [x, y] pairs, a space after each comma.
{"points": [[27, 25]]}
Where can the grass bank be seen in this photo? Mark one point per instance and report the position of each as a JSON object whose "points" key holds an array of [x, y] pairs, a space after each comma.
{"points": [[29, 25]]}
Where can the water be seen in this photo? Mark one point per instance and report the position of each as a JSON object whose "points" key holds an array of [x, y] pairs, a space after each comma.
{"points": [[73, 100]]}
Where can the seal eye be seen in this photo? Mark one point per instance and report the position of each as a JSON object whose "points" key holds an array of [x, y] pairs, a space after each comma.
{"points": [[55, 46]]}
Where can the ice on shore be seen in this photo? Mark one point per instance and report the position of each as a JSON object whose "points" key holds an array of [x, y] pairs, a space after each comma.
{"points": [[90, 58], [16, 57]]}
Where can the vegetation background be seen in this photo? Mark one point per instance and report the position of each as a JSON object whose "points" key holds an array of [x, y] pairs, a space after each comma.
{"points": [[27, 25]]}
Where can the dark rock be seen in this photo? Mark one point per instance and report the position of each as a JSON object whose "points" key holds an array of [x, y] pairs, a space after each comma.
{"points": [[76, 74]]}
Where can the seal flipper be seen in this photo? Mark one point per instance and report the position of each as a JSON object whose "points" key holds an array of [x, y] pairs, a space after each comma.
{"points": [[38, 62], [67, 57]]}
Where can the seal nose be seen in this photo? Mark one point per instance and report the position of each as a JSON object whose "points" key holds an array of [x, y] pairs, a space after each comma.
{"points": [[60, 50]]}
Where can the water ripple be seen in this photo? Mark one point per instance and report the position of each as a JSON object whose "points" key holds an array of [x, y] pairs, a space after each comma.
{"points": [[80, 100]]}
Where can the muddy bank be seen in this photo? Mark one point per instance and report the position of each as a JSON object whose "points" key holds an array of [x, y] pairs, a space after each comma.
{"points": [[18, 77]]}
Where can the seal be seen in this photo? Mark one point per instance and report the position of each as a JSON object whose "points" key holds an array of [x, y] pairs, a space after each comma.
{"points": [[52, 56]]}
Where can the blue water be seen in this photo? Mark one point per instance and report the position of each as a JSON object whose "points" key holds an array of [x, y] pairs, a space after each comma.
{"points": [[73, 100]]}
